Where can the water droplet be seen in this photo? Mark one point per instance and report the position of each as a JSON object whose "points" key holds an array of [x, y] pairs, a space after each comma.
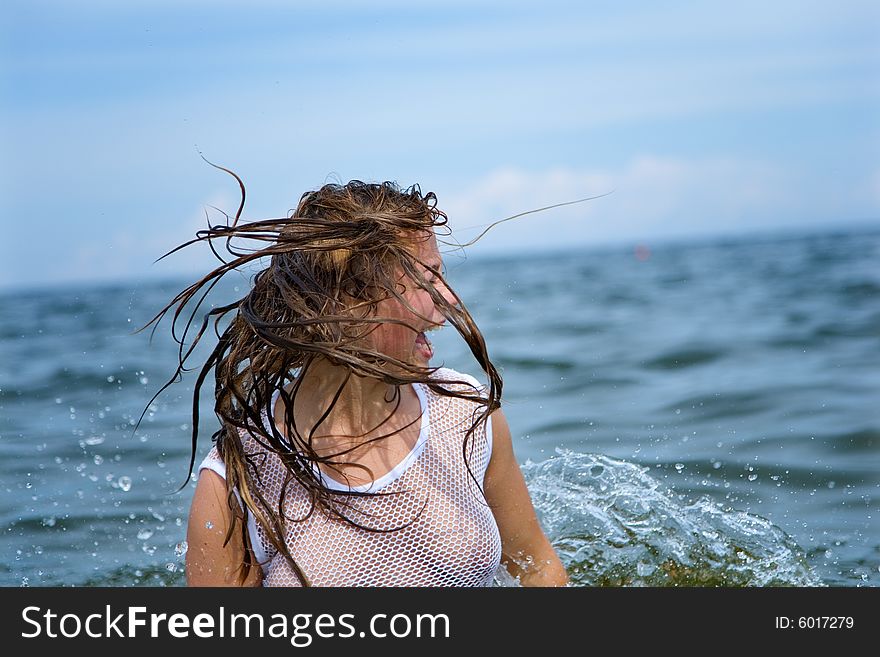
{"points": [[752, 477], [111, 379], [678, 411], [679, 466], [170, 567], [25, 581], [98, 459], [94, 440], [716, 465], [181, 548], [49, 521], [831, 484], [144, 380], [144, 534], [125, 483], [209, 525]]}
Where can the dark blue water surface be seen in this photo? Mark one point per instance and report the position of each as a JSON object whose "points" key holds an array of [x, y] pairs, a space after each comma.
{"points": [[685, 414]]}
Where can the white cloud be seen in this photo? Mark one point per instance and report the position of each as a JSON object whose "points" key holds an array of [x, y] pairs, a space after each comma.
{"points": [[128, 253], [653, 198]]}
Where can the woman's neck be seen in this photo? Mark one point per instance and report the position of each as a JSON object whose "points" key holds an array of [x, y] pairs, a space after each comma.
{"points": [[363, 404]]}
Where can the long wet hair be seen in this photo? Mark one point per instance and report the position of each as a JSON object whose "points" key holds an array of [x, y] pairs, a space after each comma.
{"points": [[330, 263]]}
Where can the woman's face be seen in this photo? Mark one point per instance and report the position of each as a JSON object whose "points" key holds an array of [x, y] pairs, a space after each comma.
{"points": [[398, 341]]}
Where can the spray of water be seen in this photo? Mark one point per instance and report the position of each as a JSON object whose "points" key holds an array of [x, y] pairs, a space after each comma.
{"points": [[614, 525]]}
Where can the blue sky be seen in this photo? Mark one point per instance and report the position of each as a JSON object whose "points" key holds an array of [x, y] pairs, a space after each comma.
{"points": [[703, 118]]}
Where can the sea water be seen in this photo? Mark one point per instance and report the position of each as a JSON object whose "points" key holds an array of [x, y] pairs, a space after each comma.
{"points": [[685, 414]]}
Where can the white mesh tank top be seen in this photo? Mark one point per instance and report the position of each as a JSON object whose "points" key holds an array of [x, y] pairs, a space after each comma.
{"points": [[450, 537]]}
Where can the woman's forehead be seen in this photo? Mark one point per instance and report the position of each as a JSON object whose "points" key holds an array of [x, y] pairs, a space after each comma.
{"points": [[425, 248]]}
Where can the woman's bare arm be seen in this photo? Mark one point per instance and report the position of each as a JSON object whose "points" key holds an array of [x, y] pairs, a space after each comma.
{"points": [[526, 551], [208, 561]]}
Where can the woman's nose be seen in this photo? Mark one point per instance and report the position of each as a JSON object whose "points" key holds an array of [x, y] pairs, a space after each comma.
{"points": [[446, 293]]}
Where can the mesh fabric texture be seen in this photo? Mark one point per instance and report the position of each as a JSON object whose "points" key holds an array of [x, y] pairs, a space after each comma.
{"points": [[444, 534]]}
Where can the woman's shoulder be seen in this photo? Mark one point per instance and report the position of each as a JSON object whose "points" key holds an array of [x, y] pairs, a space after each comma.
{"points": [[251, 445], [451, 379], [213, 461]]}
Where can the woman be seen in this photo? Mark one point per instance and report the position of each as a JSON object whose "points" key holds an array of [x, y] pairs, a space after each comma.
{"points": [[343, 458]]}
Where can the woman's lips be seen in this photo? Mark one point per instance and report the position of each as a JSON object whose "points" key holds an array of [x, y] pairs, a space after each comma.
{"points": [[423, 344]]}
